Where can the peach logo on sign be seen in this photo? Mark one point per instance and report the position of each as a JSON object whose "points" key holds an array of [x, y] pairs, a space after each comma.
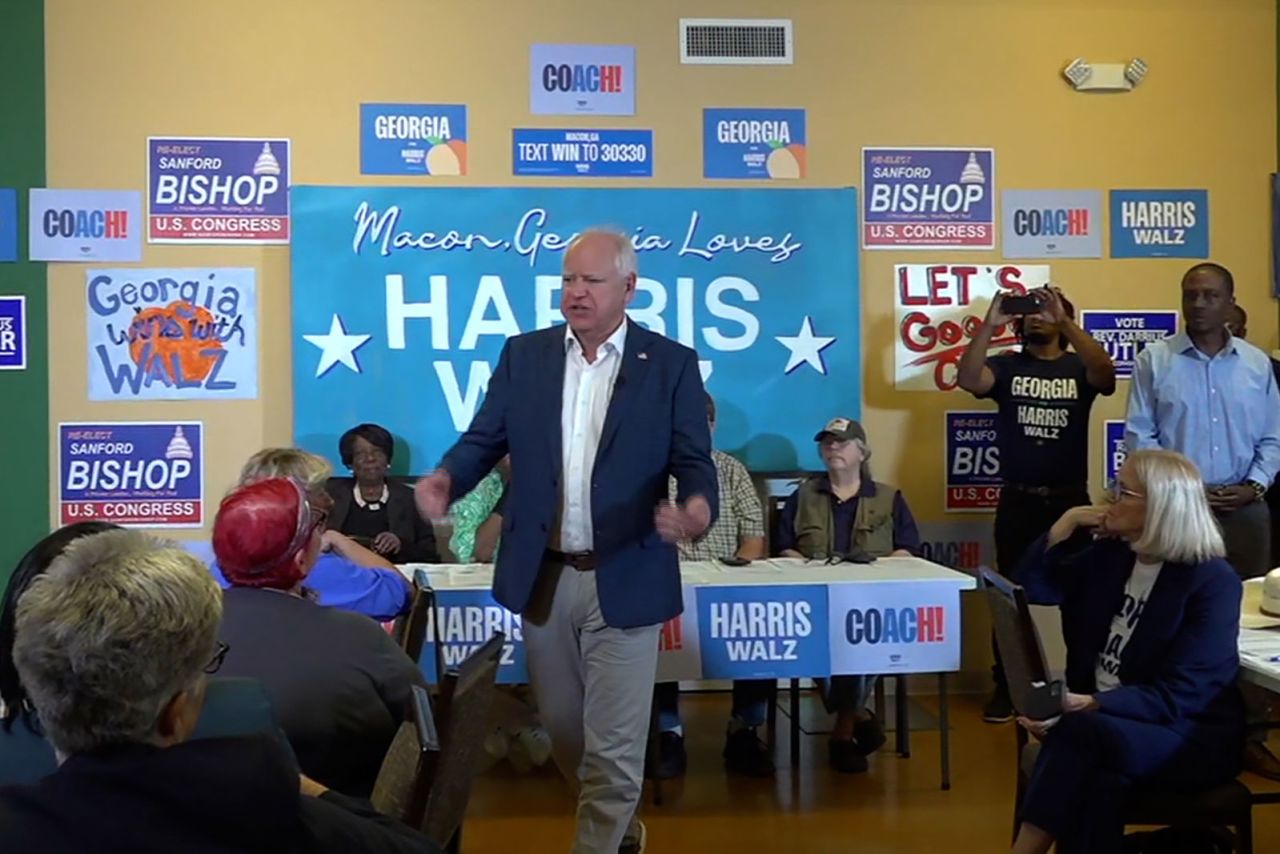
{"points": [[446, 157], [785, 161]]}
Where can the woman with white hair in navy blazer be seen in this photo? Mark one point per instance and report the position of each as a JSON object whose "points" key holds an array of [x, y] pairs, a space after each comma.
{"points": [[1150, 616]]}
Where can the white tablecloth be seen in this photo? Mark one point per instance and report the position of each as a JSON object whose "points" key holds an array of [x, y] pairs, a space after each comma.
{"points": [[479, 576], [1260, 657], [770, 619]]}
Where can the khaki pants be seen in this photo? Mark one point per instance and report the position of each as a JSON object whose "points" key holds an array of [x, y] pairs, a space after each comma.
{"points": [[594, 685]]}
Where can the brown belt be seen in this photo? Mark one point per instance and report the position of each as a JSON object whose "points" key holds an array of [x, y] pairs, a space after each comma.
{"points": [[581, 561]]}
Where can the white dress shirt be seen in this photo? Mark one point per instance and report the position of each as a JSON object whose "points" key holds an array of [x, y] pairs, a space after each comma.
{"points": [[587, 390]]}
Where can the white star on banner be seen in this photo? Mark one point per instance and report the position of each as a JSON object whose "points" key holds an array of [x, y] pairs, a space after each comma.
{"points": [[336, 346], [805, 347]]}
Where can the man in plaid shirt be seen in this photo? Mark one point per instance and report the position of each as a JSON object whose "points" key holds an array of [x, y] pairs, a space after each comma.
{"points": [[738, 532]]}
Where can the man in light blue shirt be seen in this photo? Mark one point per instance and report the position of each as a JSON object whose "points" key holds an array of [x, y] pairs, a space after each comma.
{"points": [[1213, 398]]}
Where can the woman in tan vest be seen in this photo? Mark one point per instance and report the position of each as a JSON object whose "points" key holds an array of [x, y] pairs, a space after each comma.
{"points": [[840, 513]]}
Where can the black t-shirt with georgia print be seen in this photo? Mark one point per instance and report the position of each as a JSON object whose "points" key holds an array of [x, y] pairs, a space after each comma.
{"points": [[1043, 419]]}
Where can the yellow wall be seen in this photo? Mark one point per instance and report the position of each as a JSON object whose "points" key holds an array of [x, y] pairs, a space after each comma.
{"points": [[869, 72]]}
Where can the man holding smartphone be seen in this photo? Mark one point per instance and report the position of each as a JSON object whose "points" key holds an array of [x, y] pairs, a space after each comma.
{"points": [[1044, 392]]}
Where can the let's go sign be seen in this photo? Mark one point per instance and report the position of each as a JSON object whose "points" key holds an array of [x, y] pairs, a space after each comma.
{"points": [[940, 307]]}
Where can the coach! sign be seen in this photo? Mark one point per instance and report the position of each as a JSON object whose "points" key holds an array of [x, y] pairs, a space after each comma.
{"points": [[896, 626]]}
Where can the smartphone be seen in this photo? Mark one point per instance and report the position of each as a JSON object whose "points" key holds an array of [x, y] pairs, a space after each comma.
{"points": [[1020, 305]]}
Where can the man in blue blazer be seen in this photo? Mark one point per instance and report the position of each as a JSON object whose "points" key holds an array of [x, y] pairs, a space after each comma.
{"points": [[595, 415]]}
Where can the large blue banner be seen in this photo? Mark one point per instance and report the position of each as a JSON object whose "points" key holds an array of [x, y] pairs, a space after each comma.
{"points": [[403, 298]]}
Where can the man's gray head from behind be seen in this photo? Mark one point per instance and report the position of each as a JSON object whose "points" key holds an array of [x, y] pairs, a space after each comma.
{"points": [[111, 643]]}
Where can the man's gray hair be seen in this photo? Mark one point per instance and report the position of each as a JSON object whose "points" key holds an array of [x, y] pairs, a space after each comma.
{"points": [[119, 624], [624, 254], [864, 468]]}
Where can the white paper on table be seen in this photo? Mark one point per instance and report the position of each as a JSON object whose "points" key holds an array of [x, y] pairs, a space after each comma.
{"points": [[1261, 645], [471, 575]]}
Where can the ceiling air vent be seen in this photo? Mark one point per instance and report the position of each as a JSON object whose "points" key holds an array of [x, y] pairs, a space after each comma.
{"points": [[735, 41]]}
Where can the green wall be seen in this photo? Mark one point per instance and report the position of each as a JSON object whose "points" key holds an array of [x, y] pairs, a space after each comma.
{"points": [[24, 395]]}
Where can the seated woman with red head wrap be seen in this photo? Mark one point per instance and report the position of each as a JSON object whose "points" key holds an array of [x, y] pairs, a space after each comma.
{"points": [[338, 682]]}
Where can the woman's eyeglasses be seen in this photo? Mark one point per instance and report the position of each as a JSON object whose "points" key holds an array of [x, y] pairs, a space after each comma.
{"points": [[215, 663], [1119, 493], [319, 518]]}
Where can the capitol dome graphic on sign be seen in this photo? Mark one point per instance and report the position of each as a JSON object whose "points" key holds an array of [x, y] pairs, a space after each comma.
{"points": [[267, 163], [179, 448], [972, 173]]}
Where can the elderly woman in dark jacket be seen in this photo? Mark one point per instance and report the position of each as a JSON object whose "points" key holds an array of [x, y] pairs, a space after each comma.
{"points": [[372, 510], [1150, 616]]}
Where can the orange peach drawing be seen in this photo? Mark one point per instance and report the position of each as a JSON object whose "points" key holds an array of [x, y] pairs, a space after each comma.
{"points": [[180, 336]]}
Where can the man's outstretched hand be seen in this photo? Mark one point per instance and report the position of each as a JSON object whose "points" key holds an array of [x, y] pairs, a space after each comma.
{"points": [[675, 522], [431, 494]]}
